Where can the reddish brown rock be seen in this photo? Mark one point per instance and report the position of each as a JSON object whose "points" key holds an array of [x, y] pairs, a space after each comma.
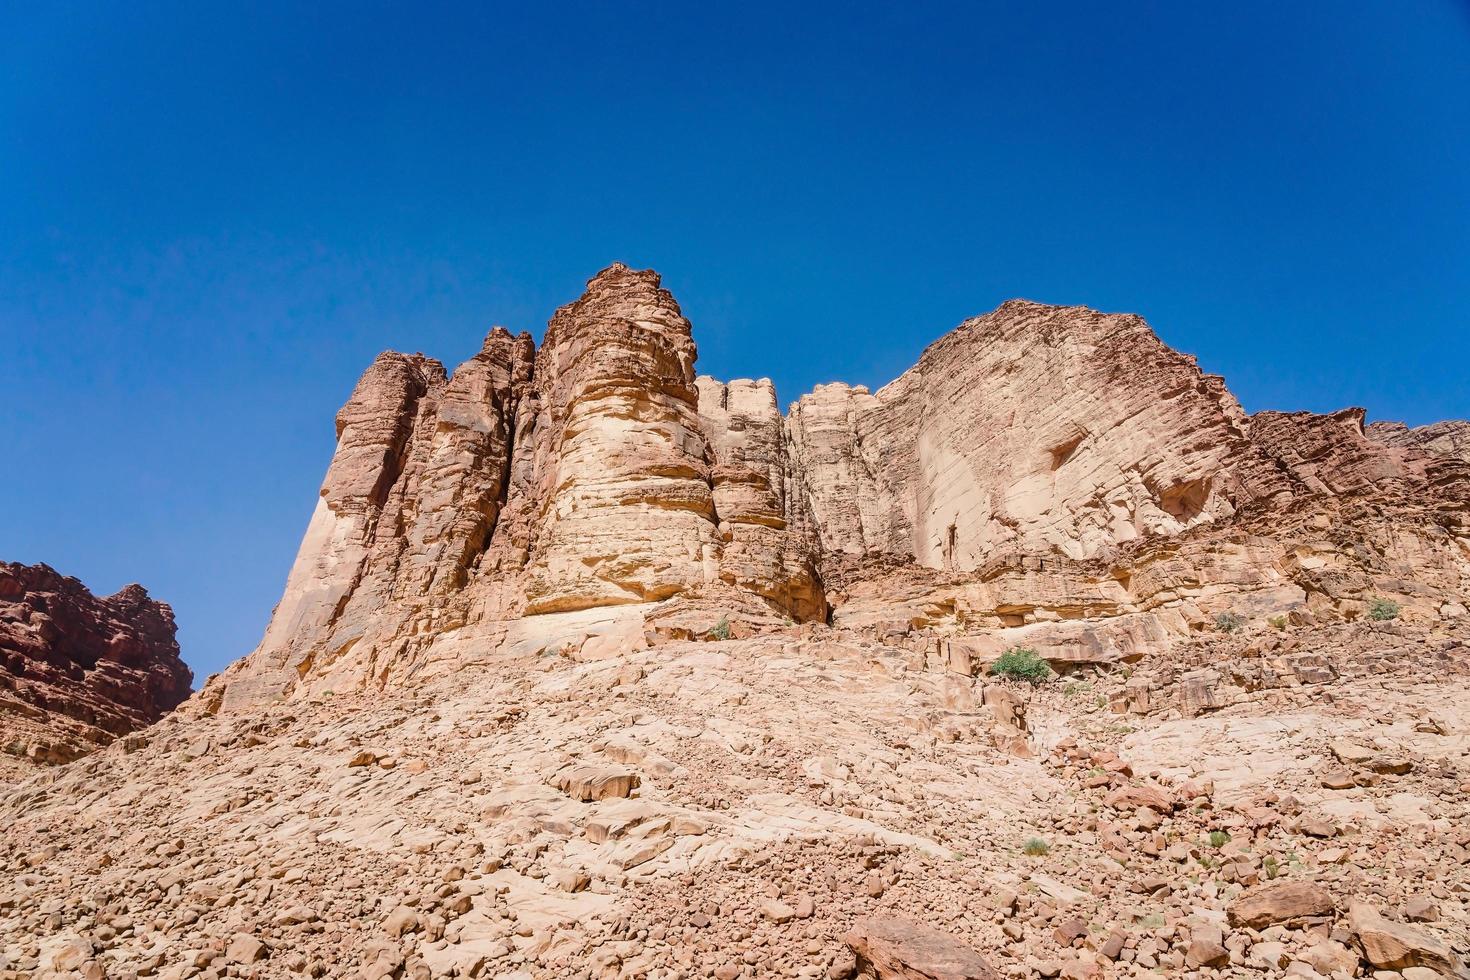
{"points": [[1394, 946], [77, 670], [1449, 438], [1139, 797], [900, 949], [1280, 902]]}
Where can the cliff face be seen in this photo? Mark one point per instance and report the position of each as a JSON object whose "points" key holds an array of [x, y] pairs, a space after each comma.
{"points": [[77, 670], [1038, 465], [1030, 429], [591, 666], [1448, 438]]}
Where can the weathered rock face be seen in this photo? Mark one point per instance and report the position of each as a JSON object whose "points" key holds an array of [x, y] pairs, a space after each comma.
{"points": [[769, 543], [1449, 438], [1331, 454], [626, 511], [589, 666], [587, 474], [1046, 476], [1030, 429], [77, 670]]}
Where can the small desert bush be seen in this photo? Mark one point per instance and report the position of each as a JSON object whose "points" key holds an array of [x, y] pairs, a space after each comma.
{"points": [[1218, 839], [721, 630], [1381, 609], [1277, 622], [1021, 664], [1229, 622], [1036, 847]]}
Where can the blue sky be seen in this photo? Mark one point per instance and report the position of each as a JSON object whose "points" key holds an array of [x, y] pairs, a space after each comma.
{"points": [[212, 217]]}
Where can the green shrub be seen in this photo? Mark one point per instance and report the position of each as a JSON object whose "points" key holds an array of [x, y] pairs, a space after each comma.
{"points": [[721, 630], [1382, 610], [1277, 622], [1218, 839], [1228, 622], [1036, 847], [1021, 664]]}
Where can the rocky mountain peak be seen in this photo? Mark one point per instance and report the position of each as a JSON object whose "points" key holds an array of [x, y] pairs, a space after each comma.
{"points": [[78, 670], [1042, 659], [598, 472]]}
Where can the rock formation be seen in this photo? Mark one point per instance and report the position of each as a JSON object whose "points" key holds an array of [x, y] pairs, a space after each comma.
{"points": [[1451, 438], [76, 670], [1045, 659], [1032, 429], [1038, 466]]}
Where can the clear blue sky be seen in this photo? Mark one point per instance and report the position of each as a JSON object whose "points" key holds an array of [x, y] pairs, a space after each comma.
{"points": [[212, 217]]}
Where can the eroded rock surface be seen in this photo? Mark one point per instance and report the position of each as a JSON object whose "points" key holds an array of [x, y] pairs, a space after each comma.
{"points": [[590, 666], [1045, 476], [1449, 438], [78, 670]]}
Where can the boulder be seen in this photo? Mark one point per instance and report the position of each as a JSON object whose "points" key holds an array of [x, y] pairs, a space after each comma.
{"points": [[1280, 902], [893, 948], [1391, 945], [596, 782]]}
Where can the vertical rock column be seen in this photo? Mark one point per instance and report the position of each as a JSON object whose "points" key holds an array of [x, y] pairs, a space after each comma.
{"points": [[466, 474], [373, 433], [625, 512], [762, 552]]}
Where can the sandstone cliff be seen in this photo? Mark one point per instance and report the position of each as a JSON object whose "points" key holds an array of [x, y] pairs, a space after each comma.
{"points": [[593, 667], [1033, 429], [1045, 475], [77, 670], [1449, 438]]}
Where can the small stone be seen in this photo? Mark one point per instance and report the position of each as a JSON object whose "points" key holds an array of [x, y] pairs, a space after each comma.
{"points": [[1206, 947], [777, 912], [1421, 909]]}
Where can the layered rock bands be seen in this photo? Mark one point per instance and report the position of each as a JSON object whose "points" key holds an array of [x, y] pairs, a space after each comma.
{"points": [[1039, 464], [77, 670]]}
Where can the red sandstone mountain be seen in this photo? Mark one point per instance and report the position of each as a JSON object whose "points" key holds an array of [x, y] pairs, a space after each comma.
{"points": [[77, 670], [591, 667]]}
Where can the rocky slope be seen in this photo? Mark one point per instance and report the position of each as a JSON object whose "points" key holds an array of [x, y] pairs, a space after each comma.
{"points": [[77, 670], [589, 666]]}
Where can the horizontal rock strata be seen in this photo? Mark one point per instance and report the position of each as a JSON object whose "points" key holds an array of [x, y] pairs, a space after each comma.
{"points": [[1047, 476], [78, 670]]}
